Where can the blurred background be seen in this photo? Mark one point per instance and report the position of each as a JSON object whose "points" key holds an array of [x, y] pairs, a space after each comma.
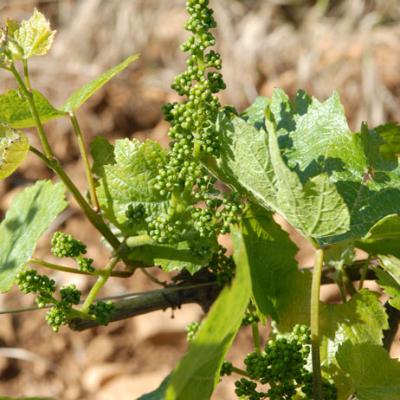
{"points": [[351, 46]]}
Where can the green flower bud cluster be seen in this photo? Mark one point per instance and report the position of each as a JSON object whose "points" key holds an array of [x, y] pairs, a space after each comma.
{"points": [[29, 281], [250, 316], [135, 213], [282, 365], [102, 310], [193, 121], [165, 228], [222, 266], [246, 389], [63, 245], [191, 330], [194, 134], [85, 264], [226, 368]]}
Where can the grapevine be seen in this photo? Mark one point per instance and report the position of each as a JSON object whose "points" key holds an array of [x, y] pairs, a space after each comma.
{"points": [[229, 173]]}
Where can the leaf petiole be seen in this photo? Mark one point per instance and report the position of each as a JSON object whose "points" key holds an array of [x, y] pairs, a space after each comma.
{"points": [[315, 339], [85, 158]]}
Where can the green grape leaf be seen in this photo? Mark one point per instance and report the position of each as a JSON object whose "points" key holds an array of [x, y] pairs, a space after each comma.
{"points": [[270, 255], [15, 111], [172, 257], [197, 373], [317, 159], [85, 92], [390, 133], [103, 154], [14, 146], [339, 254], [321, 138], [316, 139], [373, 374], [391, 265], [32, 37], [252, 158], [383, 237], [30, 214], [255, 114], [390, 286], [129, 179], [159, 393]]}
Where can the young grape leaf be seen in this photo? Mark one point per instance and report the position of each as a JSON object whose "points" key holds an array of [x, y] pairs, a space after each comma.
{"points": [[30, 214], [252, 158], [317, 149], [390, 133], [391, 265], [198, 372], [14, 146], [390, 286], [255, 114], [32, 37], [172, 257], [383, 237], [373, 374], [270, 256], [85, 92], [129, 180], [15, 111], [103, 154]]}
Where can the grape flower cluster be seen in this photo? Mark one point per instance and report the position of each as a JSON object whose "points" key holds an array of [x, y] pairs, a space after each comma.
{"points": [[196, 207], [283, 367], [29, 281], [64, 245]]}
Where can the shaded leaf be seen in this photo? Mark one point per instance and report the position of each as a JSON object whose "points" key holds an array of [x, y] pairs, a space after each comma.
{"points": [[252, 158], [32, 37], [390, 286], [30, 214], [14, 146], [172, 257], [85, 92], [383, 237], [374, 375], [129, 180], [103, 154], [270, 256], [198, 372], [390, 133], [255, 114], [15, 111]]}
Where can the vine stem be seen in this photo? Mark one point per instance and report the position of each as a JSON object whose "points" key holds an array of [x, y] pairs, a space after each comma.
{"points": [[92, 216], [32, 106], [50, 160], [101, 280], [315, 339], [63, 268], [239, 371], [256, 337], [85, 158]]}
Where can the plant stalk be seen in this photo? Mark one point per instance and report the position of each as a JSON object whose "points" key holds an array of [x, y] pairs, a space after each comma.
{"points": [[101, 280], [314, 312], [63, 268], [85, 158], [32, 106], [256, 337], [139, 240]]}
